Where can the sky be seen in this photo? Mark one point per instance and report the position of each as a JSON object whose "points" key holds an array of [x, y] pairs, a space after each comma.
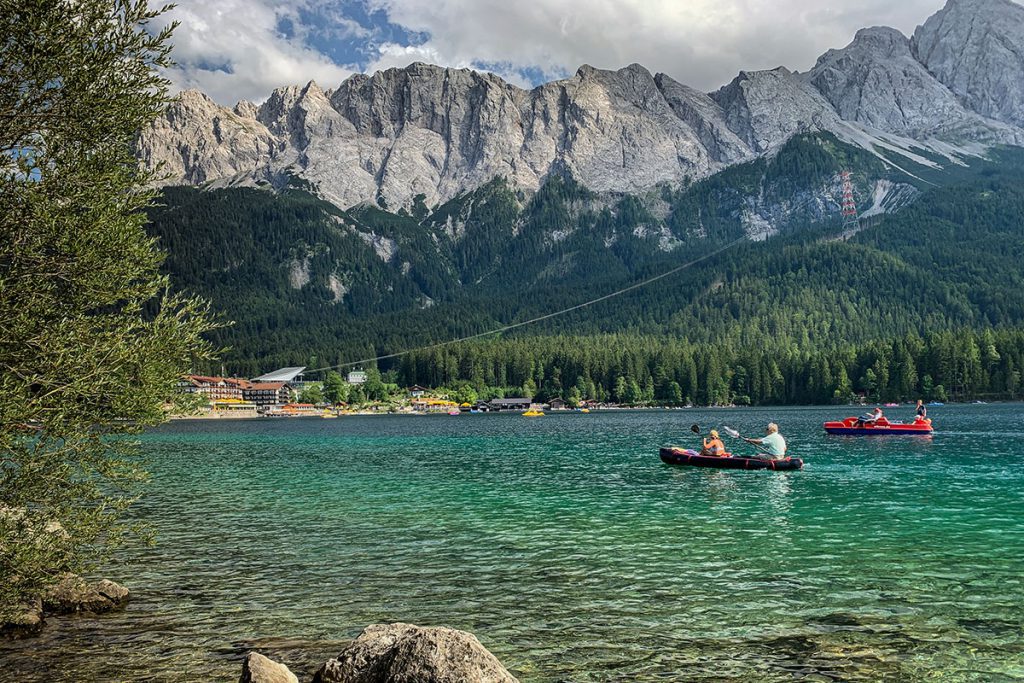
{"points": [[243, 49]]}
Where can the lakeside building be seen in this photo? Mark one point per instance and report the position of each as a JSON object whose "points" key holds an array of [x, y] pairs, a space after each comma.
{"points": [[231, 394], [294, 409], [268, 393], [211, 388], [356, 377], [416, 391], [234, 408], [433, 405], [286, 375], [503, 404]]}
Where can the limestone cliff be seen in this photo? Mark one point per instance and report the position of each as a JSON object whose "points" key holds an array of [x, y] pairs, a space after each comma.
{"points": [[428, 134]]}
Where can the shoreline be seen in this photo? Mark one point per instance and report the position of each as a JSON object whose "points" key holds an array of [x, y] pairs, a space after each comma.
{"points": [[558, 411]]}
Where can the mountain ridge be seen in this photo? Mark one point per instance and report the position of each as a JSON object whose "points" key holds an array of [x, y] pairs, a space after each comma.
{"points": [[428, 134]]}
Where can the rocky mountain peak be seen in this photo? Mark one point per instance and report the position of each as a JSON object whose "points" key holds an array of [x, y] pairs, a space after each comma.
{"points": [[883, 39], [766, 108], [430, 133], [976, 49], [246, 109]]}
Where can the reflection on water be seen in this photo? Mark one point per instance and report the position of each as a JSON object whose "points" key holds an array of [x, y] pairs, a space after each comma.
{"points": [[571, 550]]}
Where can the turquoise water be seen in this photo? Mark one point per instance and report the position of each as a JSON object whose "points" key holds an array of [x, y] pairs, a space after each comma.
{"points": [[567, 547]]}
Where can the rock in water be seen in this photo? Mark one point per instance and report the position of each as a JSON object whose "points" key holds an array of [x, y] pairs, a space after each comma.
{"points": [[259, 669], [27, 622], [75, 594], [404, 653]]}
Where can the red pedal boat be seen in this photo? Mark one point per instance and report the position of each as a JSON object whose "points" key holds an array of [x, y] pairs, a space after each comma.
{"points": [[853, 425]]}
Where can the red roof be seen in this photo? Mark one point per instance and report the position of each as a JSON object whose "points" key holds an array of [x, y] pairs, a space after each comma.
{"points": [[203, 379]]}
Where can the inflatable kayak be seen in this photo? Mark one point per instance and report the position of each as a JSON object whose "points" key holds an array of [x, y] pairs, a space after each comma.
{"points": [[850, 426], [680, 456]]}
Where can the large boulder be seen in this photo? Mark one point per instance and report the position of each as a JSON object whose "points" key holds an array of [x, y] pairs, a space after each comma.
{"points": [[25, 622], [259, 669], [74, 594], [403, 653]]}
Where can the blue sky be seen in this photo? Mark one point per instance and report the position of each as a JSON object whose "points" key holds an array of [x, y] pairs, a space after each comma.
{"points": [[243, 49]]}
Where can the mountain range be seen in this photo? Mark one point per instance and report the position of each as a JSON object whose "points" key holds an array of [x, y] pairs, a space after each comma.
{"points": [[424, 204], [427, 134]]}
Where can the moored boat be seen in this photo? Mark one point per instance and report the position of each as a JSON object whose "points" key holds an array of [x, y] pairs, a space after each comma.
{"points": [[685, 456], [856, 426], [533, 413]]}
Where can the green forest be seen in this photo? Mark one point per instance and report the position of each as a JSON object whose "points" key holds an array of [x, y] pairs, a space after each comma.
{"points": [[921, 302], [941, 366]]}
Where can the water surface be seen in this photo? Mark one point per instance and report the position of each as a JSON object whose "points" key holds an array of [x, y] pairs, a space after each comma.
{"points": [[567, 547]]}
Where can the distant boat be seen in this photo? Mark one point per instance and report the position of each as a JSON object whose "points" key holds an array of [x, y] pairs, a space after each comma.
{"points": [[892, 405], [936, 403], [981, 403], [533, 413], [855, 426], [585, 410], [454, 412]]}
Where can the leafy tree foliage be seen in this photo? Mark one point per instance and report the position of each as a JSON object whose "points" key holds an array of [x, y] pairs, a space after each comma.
{"points": [[91, 345]]}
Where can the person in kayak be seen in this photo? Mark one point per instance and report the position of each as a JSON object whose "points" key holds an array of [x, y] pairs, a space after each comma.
{"points": [[772, 443], [920, 413], [713, 446]]}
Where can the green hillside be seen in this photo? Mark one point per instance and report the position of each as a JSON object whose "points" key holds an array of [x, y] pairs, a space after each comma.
{"points": [[307, 283]]}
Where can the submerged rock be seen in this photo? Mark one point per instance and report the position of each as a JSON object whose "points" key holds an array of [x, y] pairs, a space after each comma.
{"points": [[404, 653], [259, 669], [26, 623], [74, 594]]}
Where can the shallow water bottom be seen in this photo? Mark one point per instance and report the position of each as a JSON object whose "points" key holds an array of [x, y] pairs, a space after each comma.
{"points": [[570, 550]]}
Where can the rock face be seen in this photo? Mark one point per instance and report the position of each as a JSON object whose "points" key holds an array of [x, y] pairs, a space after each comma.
{"points": [[430, 134], [74, 594], [766, 108], [877, 81], [259, 669], [403, 653], [197, 140], [976, 48]]}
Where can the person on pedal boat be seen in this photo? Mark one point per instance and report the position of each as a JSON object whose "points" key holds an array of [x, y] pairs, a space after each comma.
{"points": [[773, 444], [920, 413], [871, 417], [713, 446]]}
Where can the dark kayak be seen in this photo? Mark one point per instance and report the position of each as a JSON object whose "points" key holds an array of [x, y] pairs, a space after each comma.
{"points": [[679, 456]]}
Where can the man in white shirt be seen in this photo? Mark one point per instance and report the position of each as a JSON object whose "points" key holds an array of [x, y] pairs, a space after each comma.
{"points": [[773, 444]]}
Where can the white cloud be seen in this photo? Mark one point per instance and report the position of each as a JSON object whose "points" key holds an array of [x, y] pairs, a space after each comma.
{"points": [[232, 50], [701, 42]]}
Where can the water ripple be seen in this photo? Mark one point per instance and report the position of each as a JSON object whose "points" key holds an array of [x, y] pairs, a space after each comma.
{"points": [[570, 550]]}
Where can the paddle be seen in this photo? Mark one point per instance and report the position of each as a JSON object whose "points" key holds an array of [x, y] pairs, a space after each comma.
{"points": [[736, 435]]}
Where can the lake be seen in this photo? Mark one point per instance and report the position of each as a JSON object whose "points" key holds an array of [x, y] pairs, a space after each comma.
{"points": [[570, 550]]}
